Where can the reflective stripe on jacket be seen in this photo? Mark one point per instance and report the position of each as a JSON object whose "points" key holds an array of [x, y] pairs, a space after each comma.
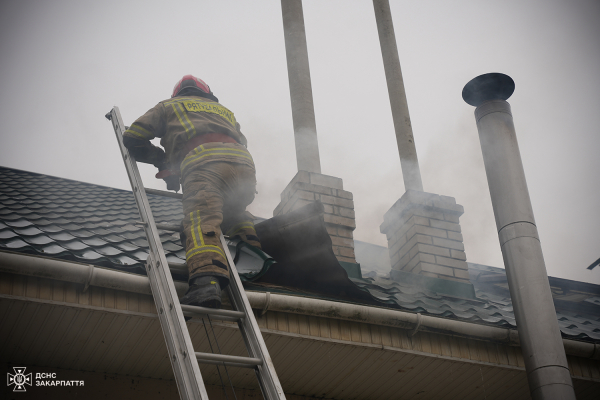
{"points": [[179, 119], [209, 152]]}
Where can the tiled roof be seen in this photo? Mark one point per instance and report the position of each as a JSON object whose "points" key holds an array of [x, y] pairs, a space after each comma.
{"points": [[78, 221], [492, 306]]}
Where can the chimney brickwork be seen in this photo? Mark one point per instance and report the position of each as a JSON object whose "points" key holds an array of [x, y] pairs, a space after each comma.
{"points": [[307, 187], [424, 236]]}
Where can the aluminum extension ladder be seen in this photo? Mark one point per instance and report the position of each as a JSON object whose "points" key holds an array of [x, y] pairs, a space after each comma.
{"points": [[184, 359]]}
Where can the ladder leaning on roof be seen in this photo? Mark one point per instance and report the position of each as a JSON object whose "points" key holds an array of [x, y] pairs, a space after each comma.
{"points": [[171, 313]]}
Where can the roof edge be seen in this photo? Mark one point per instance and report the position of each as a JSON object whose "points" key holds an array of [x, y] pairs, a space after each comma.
{"points": [[89, 275]]}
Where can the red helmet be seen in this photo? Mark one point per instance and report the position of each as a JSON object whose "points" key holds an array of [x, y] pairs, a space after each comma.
{"points": [[190, 81]]}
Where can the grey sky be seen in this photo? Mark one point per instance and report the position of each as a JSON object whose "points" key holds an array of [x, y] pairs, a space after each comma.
{"points": [[64, 64]]}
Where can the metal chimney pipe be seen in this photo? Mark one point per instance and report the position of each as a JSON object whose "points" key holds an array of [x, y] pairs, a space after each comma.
{"points": [[541, 343], [303, 112], [393, 74]]}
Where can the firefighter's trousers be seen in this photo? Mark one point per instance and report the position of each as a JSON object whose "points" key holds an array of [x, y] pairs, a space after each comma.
{"points": [[215, 196]]}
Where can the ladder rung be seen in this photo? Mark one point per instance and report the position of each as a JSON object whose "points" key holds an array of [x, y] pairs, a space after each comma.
{"points": [[227, 364], [233, 361], [164, 193], [223, 315]]}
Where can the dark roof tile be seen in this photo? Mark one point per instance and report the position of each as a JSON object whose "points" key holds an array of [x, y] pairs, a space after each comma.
{"points": [[15, 244], [50, 228], [7, 234], [15, 220], [94, 242], [108, 251], [29, 231], [74, 245], [38, 240], [88, 255], [126, 246], [53, 249]]}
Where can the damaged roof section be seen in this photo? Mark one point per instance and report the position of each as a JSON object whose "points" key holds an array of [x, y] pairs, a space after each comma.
{"points": [[301, 245], [76, 221]]}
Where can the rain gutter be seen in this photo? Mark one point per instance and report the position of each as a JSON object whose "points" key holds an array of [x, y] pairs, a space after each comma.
{"points": [[84, 274], [89, 275]]}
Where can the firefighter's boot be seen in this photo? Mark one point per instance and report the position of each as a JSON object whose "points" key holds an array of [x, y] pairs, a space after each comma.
{"points": [[204, 291]]}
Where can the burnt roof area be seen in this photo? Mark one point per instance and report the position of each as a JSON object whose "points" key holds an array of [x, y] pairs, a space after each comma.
{"points": [[76, 221]]}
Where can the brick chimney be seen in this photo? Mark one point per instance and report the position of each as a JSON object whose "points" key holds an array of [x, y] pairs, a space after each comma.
{"points": [[424, 239], [307, 187]]}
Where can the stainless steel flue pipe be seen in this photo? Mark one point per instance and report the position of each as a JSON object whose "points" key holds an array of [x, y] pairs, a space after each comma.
{"points": [[393, 75], [544, 355], [303, 111]]}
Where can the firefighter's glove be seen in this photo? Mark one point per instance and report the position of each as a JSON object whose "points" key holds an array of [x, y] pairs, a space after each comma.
{"points": [[162, 166], [170, 177], [173, 183]]}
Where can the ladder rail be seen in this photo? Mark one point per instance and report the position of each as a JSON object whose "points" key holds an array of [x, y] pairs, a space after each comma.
{"points": [[265, 373], [184, 360], [179, 345]]}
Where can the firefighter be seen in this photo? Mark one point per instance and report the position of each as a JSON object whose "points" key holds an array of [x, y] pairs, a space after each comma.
{"points": [[206, 153]]}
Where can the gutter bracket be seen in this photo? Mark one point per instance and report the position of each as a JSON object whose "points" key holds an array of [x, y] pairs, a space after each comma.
{"points": [[89, 278], [417, 326], [267, 304]]}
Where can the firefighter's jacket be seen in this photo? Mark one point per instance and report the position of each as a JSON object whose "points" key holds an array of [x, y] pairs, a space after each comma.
{"points": [[175, 121]]}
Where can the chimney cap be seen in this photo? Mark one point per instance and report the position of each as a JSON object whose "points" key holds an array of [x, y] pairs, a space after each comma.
{"points": [[486, 87]]}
